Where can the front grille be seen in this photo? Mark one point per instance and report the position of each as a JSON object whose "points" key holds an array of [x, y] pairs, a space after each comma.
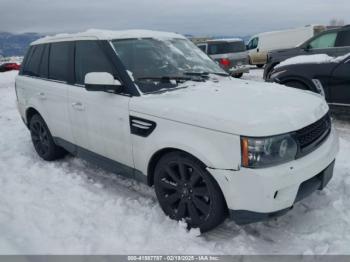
{"points": [[309, 138]]}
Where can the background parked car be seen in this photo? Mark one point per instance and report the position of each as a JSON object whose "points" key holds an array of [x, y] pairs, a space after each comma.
{"points": [[335, 42], [259, 45], [231, 54], [323, 74], [9, 66]]}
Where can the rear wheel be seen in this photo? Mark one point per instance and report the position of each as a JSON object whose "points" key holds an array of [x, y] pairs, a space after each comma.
{"points": [[297, 84], [185, 190], [238, 75], [43, 141]]}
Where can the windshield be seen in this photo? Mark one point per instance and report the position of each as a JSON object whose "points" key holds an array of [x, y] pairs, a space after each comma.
{"points": [[156, 64], [226, 48]]}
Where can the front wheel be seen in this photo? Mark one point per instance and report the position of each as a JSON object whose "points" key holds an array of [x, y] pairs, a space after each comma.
{"points": [[186, 190]]}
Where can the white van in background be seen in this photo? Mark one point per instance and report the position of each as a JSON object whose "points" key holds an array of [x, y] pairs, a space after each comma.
{"points": [[260, 44]]}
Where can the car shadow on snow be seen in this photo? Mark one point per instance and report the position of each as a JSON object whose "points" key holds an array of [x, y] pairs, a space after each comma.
{"points": [[267, 231]]}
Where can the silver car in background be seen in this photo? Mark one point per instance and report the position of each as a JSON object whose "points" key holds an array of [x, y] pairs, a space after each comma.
{"points": [[231, 54]]}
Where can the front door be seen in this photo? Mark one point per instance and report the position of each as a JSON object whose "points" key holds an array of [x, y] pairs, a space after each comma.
{"points": [[340, 84], [323, 44], [99, 120], [256, 56]]}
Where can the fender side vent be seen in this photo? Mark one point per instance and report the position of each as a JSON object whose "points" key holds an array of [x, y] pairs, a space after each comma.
{"points": [[141, 127]]}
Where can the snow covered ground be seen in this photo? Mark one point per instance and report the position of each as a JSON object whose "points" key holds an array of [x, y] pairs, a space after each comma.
{"points": [[71, 207]]}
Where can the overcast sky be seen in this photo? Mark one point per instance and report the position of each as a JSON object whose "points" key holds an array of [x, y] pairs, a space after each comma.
{"points": [[198, 17]]}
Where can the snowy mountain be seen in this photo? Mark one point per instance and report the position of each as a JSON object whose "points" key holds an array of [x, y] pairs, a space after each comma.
{"points": [[15, 44]]}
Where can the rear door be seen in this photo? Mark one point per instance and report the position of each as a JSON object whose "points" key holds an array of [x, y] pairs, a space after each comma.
{"points": [[99, 120], [55, 93]]}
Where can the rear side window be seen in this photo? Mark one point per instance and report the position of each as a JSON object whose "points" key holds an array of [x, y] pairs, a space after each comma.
{"points": [[226, 48], [61, 60], [343, 39], [89, 57], [324, 41], [32, 65]]}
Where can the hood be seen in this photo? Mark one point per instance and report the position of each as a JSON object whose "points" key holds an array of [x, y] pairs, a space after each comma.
{"points": [[235, 106]]}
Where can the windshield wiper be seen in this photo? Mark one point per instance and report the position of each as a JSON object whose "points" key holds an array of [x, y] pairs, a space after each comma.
{"points": [[165, 79], [204, 74], [180, 79], [188, 73]]}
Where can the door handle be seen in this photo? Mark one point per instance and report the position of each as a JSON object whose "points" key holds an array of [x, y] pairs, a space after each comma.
{"points": [[42, 95], [78, 106]]}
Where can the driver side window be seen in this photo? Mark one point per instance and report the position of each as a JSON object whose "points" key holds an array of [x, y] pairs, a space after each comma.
{"points": [[253, 43], [90, 58], [324, 41]]}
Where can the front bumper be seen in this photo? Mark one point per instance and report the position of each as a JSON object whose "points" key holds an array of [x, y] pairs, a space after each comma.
{"points": [[318, 182], [272, 191]]}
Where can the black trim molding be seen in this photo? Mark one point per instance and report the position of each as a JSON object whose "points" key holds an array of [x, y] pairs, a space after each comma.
{"points": [[101, 161]]}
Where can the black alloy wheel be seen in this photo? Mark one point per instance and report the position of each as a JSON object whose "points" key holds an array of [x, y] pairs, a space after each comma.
{"points": [[187, 191], [43, 141]]}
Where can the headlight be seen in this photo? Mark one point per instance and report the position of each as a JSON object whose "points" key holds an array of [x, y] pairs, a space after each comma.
{"points": [[268, 151]]}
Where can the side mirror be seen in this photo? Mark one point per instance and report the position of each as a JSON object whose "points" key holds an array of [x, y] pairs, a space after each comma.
{"points": [[100, 81]]}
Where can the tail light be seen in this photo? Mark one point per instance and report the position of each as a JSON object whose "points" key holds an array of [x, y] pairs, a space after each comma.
{"points": [[225, 62]]}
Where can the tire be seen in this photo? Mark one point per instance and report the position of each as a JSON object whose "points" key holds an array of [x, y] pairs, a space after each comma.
{"points": [[186, 190], [237, 75], [296, 84], [43, 141], [260, 66]]}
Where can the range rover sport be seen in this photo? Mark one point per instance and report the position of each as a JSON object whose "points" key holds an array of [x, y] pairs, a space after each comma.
{"points": [[152, 106]]}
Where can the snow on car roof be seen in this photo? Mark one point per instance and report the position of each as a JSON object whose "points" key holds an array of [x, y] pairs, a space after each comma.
{"points": [[312, 59], [97, 34]]}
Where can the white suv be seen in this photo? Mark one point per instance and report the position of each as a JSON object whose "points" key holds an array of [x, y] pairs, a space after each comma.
{"points": [[153, 107]]}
